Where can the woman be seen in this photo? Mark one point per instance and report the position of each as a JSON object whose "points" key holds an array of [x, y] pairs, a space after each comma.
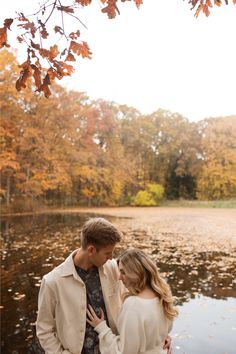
{"points": [[147, 312]]}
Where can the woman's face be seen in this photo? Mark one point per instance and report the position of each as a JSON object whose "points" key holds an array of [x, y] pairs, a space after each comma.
{"points": [[123, 276]]}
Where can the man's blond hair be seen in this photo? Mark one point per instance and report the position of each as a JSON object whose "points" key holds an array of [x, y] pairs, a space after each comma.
{"points": [[99, 232]]}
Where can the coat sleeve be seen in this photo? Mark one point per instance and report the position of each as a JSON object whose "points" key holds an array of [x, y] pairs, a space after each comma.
{"points": [[129, 339], [46, 324]]}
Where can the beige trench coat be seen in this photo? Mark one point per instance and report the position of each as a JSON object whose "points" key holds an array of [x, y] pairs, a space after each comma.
{"points": [[61, 319]]}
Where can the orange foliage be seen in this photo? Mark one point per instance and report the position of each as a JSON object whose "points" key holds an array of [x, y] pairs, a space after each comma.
{"points": [[33, 33]]}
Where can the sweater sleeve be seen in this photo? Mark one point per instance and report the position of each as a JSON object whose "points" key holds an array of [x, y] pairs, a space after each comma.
{"points": [[129, 339]]}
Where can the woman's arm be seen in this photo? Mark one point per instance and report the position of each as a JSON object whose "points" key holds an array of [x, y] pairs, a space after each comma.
{"points": [[129, 339]]}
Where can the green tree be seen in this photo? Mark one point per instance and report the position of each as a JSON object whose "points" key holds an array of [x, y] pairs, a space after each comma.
{"points": [[151, 196]]}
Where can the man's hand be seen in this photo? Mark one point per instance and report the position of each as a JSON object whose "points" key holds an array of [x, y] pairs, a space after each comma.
{"points": [[167, 345]]}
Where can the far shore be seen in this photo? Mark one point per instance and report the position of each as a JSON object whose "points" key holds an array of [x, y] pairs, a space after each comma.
{"points": [[212, 223]]}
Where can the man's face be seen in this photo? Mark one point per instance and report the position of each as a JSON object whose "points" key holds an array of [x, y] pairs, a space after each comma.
{"points": [[101, 256]]}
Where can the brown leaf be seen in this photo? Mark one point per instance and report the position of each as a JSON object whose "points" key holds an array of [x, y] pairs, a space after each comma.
{"points": [[8, 22], [35, 45], [83, 2], [3, 32], [70, 57], [44, 52], [44, 33], [208, 2], [218, 2], [206, 10], [110, 10], [37, 76], [74, 35], [80, 49], [68, 9], [53, 52], [45, 86], [20, 39], [29, 26], [25, 73], [3, 37], [199, 9], [58, 29], [22, 17], [138, 3], [63, 69]]}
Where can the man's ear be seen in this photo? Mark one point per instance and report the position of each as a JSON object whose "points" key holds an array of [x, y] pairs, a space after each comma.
{"points": [[91, 250]]}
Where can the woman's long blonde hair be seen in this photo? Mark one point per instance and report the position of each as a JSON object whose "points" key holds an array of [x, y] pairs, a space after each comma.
{"points": [[142, 272]]}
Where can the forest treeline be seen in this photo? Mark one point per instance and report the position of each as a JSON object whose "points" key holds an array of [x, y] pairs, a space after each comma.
{"points": [[71, 150]]}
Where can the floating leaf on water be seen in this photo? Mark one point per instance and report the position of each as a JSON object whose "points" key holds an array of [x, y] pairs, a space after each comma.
{"points": [[18, 296], [29, 337]]}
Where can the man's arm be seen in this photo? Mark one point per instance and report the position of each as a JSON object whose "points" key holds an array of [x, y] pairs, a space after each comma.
{"points": [[46, 324]]}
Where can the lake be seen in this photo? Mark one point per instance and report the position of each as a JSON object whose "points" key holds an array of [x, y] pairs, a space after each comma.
{"points": [[203, 281]]}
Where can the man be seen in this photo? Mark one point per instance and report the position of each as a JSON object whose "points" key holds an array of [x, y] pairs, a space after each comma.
{"points": [[88, 276]]}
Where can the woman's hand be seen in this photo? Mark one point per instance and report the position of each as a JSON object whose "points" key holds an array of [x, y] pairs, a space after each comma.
{"points": [[167, 345], [92, 318]]}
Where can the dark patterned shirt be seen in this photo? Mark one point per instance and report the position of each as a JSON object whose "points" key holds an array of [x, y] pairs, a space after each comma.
{"points": [[92, 283]]}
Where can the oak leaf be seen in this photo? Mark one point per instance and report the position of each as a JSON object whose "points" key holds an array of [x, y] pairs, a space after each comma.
{"points": [[206, 10], [83, 2], [208, 2], [70, 57], [138, 3], [3, 32], [8, 22], [3, 37], [25, 73], [111, 9], [80, 49], [45, 86], [36, 75]]}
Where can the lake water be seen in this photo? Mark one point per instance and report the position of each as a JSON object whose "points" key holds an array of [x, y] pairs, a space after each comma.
{"points": [[33, 245]]}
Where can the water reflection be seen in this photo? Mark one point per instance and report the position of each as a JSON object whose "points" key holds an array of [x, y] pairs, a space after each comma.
{"points": [[33, 245], [205, 326]]}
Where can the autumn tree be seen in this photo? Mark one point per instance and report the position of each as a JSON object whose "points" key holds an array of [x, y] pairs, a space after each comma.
{"points": [[37, 138], [176, 147], [217, 177], [41, 31], [11, 109]]}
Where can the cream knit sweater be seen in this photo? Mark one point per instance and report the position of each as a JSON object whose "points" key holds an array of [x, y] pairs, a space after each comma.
{"points": [[142, 329]]}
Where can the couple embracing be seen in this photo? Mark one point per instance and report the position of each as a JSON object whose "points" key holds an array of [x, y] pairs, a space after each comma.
{"points": [[94, 304]]}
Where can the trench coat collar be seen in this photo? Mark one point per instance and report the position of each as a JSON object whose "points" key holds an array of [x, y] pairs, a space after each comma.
{"points": [[68, 266]]}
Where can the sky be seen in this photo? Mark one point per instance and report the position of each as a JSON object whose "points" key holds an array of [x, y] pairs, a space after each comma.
{"points": [[159, 56]]}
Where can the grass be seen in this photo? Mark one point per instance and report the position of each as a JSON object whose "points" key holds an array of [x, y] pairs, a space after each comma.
{"points": [[231, 203]]}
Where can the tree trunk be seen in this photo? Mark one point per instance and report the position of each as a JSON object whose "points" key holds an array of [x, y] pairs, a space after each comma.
{"points": [[8, 196]]}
